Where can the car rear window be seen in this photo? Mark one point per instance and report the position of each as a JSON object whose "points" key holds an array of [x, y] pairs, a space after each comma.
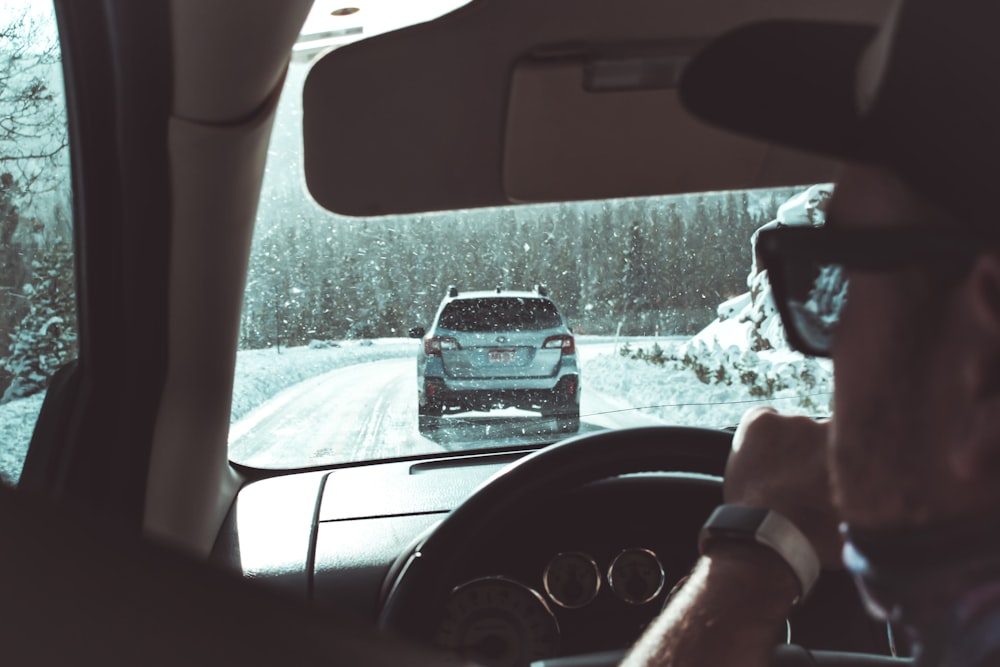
{"points": [[499, 314]]}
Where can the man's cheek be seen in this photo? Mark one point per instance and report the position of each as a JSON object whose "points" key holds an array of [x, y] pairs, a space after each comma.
{"points": [[861, 376], [854, 351], [849, 488], [868, 330]]}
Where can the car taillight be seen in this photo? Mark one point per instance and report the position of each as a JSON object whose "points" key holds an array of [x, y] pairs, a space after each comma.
{"points": [[563, 341], [433, 346]]}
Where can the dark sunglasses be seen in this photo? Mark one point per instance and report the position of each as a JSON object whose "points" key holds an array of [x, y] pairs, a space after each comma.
{"points": [[806, 268]]}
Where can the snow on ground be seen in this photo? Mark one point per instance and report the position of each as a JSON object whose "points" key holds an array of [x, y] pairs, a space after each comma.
{"points": [[675, 393], [260, 374], [713, 378], [709, 380], [17, 421]]}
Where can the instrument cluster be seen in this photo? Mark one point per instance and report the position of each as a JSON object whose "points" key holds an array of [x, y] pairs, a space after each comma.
{"points": [[500, 621]]}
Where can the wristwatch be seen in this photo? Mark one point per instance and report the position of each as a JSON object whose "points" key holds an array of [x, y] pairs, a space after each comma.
{"points": [[742, 523]]}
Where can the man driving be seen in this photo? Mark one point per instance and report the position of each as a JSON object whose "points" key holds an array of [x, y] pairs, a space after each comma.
{"points": [[901, 289]]}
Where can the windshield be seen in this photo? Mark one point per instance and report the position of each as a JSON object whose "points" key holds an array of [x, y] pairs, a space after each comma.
{"points": [[667, 320], [493, 314], [654, 310]]}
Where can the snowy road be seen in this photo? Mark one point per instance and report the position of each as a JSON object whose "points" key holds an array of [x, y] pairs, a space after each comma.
{"points": [[369, 411]]}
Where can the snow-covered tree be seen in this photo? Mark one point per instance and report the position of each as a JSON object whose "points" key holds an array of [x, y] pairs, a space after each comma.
{"points": [[46, 337], [33, 136], [34, 181]]}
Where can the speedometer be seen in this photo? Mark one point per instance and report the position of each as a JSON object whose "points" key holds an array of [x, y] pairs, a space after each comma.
{"points": [[498, 622]]}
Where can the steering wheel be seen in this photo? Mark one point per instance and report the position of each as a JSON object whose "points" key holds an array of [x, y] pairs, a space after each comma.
{"points": [[417, 596], [419, 587]]}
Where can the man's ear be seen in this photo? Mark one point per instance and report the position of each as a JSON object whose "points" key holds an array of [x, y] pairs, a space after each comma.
{"points": [[984, 293], [978, 448]]}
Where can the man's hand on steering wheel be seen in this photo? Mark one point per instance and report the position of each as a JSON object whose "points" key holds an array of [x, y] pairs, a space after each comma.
{"points": [[779, 462]]}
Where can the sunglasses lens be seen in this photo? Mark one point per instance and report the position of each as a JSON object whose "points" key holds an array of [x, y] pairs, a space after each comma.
{"points": [[816, 297]]}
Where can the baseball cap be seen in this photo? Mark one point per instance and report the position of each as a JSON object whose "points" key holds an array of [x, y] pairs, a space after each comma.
{"points": [[919, 94]]}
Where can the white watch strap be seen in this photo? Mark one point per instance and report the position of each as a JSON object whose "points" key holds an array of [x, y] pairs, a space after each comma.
{"points": [[767, 527]]}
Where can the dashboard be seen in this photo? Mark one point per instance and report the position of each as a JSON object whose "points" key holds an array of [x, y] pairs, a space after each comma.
{"points": [[579, 571], [600, 563]]}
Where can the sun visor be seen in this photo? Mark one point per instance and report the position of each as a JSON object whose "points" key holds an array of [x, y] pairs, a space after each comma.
{"points": [[609, 124], [499, 102]]}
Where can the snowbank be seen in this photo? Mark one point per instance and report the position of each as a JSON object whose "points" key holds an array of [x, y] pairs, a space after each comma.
{"points": [[701, 384]]}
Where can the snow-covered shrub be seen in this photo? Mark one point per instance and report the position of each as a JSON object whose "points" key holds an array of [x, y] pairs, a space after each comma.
{"points": [[316, 344], [764, 374], [656, 355]]}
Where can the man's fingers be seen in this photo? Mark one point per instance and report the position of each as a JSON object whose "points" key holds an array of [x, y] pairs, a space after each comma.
{"points": [[779, 462], [749, 419]]}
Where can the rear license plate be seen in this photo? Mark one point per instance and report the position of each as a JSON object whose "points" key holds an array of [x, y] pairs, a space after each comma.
{"points": [[502, 356]]}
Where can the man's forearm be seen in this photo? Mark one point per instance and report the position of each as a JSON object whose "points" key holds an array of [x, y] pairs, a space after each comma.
{"points": [[729, 612]]}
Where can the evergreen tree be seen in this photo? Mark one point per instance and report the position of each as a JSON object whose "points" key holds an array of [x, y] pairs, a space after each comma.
{"points": [[46, 337]]}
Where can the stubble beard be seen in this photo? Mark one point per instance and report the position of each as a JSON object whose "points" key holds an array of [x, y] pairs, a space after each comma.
{"points": [[881, 456]]}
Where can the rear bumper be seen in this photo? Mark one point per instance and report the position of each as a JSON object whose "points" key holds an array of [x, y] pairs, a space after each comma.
{"points": [[544, 394]]}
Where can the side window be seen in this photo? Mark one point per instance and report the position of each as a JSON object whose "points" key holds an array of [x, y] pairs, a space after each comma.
{"points": [[38, 328]]}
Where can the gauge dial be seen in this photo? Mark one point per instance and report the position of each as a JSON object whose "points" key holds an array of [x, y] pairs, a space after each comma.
{"points": [[572, 579], [636, 576], [498, 622]]}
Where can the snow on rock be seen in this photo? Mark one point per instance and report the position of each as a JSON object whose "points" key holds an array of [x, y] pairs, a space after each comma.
{"points": [[806, 208], [739, 359], [751, 319]]}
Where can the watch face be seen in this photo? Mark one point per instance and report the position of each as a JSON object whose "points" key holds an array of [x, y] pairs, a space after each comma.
{"points": [[732, 522], [737, 519]]}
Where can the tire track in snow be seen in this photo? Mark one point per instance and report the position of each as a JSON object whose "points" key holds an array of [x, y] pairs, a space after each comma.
{"points": [[369, 411], [352, 413]]}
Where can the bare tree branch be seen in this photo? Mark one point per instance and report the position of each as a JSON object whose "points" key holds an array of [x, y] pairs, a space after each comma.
{"points": [[32, 117]]}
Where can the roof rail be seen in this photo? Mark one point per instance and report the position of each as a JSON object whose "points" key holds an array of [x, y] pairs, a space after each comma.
{"points": [[452, 290], [541, 289]]}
